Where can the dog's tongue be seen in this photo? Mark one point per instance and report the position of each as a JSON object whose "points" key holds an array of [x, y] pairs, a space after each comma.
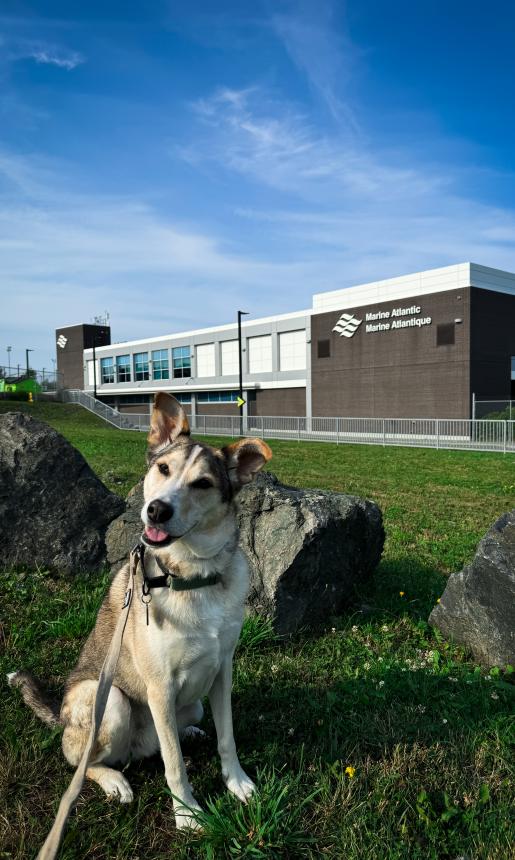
{"points": [[155, 535]]}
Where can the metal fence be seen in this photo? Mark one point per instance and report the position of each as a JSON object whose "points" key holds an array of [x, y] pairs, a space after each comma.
{"points": [[48, 381], [448, 433], [494, 410]]}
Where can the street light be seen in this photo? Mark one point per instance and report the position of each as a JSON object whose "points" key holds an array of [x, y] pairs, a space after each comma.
{"points": [[9, 350], [241, 401], [27, 360]]}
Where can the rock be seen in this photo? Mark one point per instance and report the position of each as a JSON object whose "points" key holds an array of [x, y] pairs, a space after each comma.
{"points": [[307, 549], [54, 511], [477, 608]]}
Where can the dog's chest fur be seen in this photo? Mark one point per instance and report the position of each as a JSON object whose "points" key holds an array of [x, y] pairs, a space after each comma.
{"points": [[189, 633]]}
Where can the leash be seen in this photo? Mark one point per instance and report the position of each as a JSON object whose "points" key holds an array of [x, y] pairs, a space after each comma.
{"points": [[105, 682]]}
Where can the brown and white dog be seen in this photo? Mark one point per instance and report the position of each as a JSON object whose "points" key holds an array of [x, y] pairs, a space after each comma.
{"points": [[186, 650]]}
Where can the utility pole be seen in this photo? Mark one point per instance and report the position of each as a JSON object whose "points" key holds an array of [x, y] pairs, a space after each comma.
{"points": [[9, 350], [94, 368], [27, 360], [241, 401]]}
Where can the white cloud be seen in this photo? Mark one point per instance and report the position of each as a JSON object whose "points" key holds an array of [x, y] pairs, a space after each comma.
{"points": [[319, 46], [51, 57]]}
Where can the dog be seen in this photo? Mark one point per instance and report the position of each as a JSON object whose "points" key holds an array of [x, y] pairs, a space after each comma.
{"points": [[178, 645]]}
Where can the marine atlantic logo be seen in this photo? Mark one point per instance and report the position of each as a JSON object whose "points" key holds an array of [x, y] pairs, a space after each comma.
{"points": [[62, 341], [347, 325]]}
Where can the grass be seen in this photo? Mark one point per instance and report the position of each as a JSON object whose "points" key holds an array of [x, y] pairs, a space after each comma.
{"points": [[372, 738]]}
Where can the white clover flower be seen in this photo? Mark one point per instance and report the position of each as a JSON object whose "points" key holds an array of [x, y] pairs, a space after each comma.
{"points": [[494, 696], [381, 683], [354, 628], [444, 721]]}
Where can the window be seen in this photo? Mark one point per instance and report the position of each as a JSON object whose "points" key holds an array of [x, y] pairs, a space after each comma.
{"points": [[217, 397], [445, 334], [260, 354], [141, 366], [292, 350], [324, 348], [513, 367], [230, 364], [206, 359], [123, 368], [160, 368], [106, 370], [181, 362], [133, 399], [183, 398]]}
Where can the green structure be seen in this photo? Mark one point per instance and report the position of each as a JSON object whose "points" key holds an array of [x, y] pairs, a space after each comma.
{"points": [[16, 384]]}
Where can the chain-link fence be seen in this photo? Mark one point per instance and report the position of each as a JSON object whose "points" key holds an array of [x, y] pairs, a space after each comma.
{"points": [[494, 410]]}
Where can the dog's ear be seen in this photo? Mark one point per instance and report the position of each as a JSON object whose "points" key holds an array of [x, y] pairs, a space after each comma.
{"points": [[168, 421], [244, 459]]}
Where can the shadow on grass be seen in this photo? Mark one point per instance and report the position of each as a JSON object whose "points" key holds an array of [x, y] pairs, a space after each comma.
{"points": [[421, 585]]}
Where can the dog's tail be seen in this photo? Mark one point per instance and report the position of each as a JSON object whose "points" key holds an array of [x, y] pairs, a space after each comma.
{"points": [[35, 697]]}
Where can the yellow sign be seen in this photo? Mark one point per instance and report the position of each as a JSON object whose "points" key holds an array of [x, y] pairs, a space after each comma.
{"points": [[240, 401]]}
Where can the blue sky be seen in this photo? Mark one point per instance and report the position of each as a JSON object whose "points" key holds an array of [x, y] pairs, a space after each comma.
{"points": [[173, 162]]}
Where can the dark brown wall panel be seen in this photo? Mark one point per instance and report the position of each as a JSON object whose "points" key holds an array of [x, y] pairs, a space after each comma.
{"points": [[492, 344], [399, 373], [279, 401]]}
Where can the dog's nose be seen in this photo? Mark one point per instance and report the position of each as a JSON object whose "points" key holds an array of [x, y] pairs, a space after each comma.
{"points": [[159, 512]]}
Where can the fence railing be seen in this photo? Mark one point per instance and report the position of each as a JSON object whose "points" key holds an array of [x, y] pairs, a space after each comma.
{"points": [[444, 433], [494, 410], [13, 377]]}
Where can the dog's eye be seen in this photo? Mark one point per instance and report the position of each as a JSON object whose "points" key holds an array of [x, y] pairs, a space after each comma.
{"points": [[163, 468], [202, 484]]}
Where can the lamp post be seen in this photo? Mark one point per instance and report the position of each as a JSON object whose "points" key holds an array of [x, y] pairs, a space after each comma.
{"points": [[27, 360], [94, 368], [241, 401]]}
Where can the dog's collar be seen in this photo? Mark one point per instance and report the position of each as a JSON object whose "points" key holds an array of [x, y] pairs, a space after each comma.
{"points": [[169, 579]]}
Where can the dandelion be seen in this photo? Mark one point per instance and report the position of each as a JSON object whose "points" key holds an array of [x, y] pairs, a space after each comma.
{"points": [[401, 593], [384, 628], [438, 600], [350, 771], [494, 696]]}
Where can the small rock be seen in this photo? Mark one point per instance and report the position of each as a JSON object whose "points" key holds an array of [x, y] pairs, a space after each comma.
{"points": [[477, 608]]}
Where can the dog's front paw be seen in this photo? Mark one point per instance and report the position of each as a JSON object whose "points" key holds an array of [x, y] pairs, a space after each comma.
{"points": [[184, 817], [240, 784]]}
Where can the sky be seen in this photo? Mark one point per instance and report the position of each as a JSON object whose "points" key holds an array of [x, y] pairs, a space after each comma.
{"points": [[173, 162]]}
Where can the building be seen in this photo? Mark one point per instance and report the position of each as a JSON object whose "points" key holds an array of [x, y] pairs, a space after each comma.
{"points": [[415, 346]]}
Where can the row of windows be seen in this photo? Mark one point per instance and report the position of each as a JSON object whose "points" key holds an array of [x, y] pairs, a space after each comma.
{"points": [[202, 397], [292, 356]]}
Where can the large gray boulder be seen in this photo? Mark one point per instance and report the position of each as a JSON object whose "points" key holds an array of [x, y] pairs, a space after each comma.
{"points": [[477, 607], [307, 549], [54, 511]]}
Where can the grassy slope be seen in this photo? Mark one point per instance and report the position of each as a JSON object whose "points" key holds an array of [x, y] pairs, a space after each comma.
{"points": [[426, 731]]}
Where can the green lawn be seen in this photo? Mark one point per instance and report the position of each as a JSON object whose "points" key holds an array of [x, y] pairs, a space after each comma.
{"points": [[426, 732]]}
